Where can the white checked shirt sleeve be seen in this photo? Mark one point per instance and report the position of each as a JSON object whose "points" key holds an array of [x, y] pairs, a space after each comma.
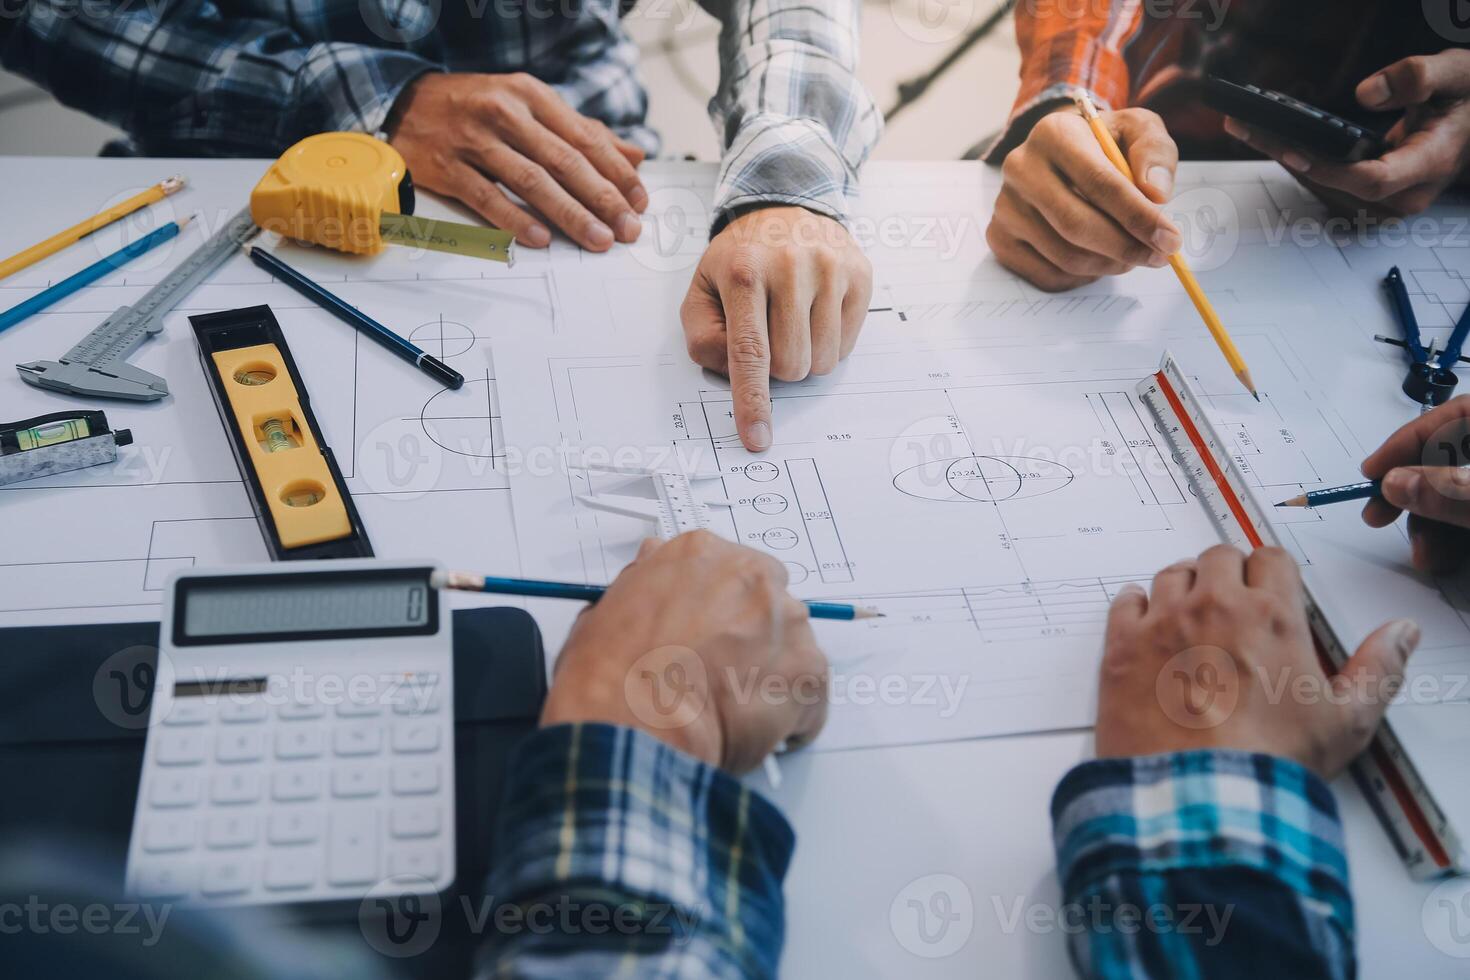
{"points": [[795, 123]]}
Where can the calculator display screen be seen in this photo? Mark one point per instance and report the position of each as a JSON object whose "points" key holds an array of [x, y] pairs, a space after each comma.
{"points": [[245, 608]]}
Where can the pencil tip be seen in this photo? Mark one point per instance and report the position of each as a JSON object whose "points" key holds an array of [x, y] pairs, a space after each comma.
{"points": [[1256, 395]]}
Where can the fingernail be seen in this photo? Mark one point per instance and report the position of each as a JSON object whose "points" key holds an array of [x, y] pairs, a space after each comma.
{"points": [[1236, 129], [537, 236], [599, 235], [1376, 91], [1129, 589], [1158, 260], [1161, 179], [1405, 637], [1402, 487], [629, 227], [638, 197], [758, 436], [1167, 240], [1461, 476], [1296, 161]]}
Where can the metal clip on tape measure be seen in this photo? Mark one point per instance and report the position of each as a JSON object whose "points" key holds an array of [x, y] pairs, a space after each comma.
{"points": [[353, 193]]}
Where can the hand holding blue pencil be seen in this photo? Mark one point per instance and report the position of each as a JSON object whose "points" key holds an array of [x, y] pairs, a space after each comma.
{"points": [[470, 582]]}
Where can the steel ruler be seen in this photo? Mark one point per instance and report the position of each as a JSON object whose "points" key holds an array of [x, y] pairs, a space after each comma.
{"points": [[1419, 829], [97, 366]]}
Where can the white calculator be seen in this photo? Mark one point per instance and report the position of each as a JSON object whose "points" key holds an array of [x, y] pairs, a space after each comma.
{"points": [[301, 738]]}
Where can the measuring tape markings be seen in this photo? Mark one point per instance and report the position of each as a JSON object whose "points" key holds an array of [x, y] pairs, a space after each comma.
{"points": [[1385, 754]]}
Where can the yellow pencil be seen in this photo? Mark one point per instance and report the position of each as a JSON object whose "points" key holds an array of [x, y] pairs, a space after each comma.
{"points": [[81, 230], [1181, 269]]}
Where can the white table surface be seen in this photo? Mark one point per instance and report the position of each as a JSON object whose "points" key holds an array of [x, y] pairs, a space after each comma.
{"points": [[874, 825]]}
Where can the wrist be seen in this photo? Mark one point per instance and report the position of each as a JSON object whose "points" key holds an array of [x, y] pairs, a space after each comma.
{"points": [[403, 104], [662, 693]]}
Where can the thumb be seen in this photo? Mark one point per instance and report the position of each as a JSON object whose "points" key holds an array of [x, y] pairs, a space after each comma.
{"points": [[1367, 683], [1417, 80], [648, 547], [1151, 152]]}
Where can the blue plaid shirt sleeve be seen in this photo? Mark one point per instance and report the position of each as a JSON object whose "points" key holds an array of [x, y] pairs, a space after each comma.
{"points": [[619, 856], [795, 122], [187, 77], [1202, 864]]}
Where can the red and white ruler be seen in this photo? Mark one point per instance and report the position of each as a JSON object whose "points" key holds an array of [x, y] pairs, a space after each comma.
{"points": [[1384, 772]]}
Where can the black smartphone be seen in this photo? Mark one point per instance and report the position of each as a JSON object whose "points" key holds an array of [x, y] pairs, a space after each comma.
{"points": [[1293, 121]]}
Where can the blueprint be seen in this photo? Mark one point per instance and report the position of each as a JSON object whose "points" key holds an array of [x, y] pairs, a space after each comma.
{"points": [[997, 509], [988, 490]]}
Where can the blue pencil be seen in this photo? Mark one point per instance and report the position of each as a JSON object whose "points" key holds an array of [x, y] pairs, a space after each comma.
{"points": [[89, 275], [468, 582], [1334, 495], [355, 318]]}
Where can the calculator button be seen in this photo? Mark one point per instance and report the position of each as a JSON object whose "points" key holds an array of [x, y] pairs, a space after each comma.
{"points": [[183, 748], [296, 784], [359, 709], [294, 827], [422, 861], [237, 711], [187, 711], [350, 781], [174, 832], [235, 787], [296, 742], [225, 877], [172, 789], [246, 745], [410, 779], [292, 868], [164, 879], [414, 821], [420, 696], [352, 847], [360, 739], [230, 830], [296, 710], [416, 736]]}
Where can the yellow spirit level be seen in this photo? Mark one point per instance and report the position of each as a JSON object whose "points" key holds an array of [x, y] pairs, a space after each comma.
{"points": [[353, 193], [294, 484]]}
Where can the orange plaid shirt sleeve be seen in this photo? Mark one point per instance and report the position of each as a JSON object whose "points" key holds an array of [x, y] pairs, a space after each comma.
{"points": [[1069, 46]]}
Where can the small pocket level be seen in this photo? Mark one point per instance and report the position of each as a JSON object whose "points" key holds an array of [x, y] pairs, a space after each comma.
{"points": [[297, 491]]}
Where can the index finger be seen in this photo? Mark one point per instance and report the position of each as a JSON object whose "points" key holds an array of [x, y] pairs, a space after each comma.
{"points": [[748, 353], [1106, 188], [1406, 446]]}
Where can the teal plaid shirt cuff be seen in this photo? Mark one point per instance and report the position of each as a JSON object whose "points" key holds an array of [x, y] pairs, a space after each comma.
{"points": [[1246, 850], [617, 853]]}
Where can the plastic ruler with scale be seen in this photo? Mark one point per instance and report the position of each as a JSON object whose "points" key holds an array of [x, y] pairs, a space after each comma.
{"points": [[1418, 828]]}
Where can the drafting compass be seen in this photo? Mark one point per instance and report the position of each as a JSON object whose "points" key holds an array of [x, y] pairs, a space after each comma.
{"points": [[664, 497], [1426, 383]]}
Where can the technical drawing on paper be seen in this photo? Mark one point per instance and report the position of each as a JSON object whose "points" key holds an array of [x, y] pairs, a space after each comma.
{"points": [[991, 509], [424, 464]]}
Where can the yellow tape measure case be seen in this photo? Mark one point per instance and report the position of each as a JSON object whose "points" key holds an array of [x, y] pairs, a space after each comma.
{"points": [[332, 189], [290, 473]]}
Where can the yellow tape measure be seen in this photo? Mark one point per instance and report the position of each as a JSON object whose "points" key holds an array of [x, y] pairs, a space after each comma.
{"points": [[353, 193]]}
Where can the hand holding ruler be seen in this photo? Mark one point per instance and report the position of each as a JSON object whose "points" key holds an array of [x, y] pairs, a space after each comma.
{"points": [[1418, 828], [97, 366]]}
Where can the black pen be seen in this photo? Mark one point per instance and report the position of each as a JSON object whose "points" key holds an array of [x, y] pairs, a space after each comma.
{"points": [[415, 355]]}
